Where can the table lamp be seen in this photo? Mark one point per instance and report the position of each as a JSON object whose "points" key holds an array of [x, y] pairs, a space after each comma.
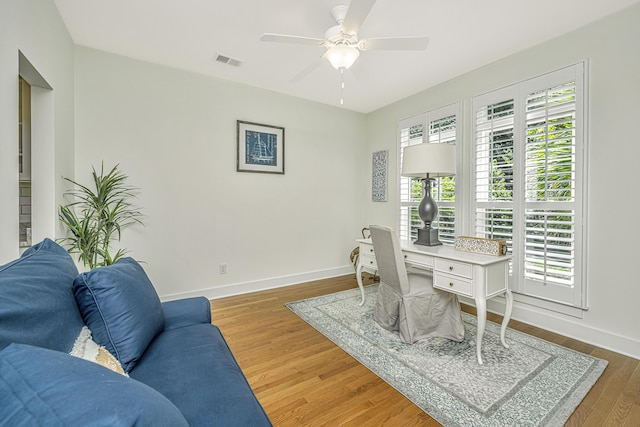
{"points": [[428, 161]]}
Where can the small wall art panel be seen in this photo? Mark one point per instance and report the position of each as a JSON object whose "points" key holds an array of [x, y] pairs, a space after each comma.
{"points": [[379, 176]]}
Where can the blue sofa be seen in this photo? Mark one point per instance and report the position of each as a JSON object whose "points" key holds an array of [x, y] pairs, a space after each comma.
{"points": [[158, 364]]}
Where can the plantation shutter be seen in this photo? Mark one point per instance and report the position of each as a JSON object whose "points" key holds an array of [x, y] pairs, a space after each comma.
{"points": [[528, 176], [443, 131], [494, 120], [410, 132], [552, 181]]}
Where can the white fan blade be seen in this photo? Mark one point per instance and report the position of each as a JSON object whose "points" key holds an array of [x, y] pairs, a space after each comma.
{"points": [[282, 38], [356, 14], [394, 43], [306, 71]]}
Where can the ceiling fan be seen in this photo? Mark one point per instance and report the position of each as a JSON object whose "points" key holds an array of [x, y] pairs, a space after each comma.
{"points": [[341, 41]]}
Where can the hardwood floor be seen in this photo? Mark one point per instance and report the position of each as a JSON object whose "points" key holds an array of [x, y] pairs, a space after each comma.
{"points": [[303, 379]]}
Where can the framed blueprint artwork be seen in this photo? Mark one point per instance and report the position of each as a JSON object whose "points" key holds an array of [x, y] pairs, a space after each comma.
{"points": [[379, 176], [260, 148]]}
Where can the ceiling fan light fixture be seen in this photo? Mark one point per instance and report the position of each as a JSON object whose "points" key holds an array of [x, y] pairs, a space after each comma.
{"points": [[342, 56]]}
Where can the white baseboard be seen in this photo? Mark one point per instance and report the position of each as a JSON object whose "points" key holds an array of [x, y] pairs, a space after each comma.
{"points": [[566, 327], [262, 284]]}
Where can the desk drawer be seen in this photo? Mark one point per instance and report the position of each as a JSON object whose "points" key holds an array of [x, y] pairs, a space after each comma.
{"points": [[453, 267], [368, 260], [420, 260], [366, 249], [450, 283]]}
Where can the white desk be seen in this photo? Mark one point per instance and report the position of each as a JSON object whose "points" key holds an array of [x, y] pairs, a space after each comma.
{"points": [[468, 274]]}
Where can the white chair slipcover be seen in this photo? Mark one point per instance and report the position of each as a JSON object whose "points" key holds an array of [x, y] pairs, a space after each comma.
{"points": [[407, 301]]}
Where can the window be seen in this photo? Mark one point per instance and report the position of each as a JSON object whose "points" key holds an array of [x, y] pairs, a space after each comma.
{"points": [[528, 176], [24, 162], [436, 127]]}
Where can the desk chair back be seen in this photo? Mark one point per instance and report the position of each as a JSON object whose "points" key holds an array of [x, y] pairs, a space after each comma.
{"points": [[389, 258]]}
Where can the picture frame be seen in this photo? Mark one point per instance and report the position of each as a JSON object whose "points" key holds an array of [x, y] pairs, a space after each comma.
{"points": [[260, 148]]}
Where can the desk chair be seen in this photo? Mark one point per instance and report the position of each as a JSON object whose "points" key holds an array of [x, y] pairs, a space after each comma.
{"points": [[407, 301]]}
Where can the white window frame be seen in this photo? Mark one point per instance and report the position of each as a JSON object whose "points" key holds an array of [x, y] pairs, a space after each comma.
{"points": [[405, 204], [570, 299]]}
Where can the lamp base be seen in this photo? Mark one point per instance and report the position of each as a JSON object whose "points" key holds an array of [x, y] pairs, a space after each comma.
{"points": [[428, 237]]}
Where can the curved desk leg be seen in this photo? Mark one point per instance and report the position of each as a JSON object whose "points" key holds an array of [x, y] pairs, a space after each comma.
{"points": [[359, 280], [508, 296], [481, 308]]}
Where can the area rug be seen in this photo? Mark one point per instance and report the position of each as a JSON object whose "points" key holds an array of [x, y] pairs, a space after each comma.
{"points": [[532, 383]]}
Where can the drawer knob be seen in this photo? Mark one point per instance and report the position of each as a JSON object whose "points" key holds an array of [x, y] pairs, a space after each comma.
{"points": [[370, 250], [451, 268], [370, 262], [450, 283]]}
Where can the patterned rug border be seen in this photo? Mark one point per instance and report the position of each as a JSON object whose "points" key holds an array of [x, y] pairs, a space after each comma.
{"points": [[456, 412]]}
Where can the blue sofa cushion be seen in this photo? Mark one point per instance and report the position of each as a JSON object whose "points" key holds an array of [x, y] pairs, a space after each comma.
{"points": [[45, 387], [37, 306], [121, 308], [197, 358]]}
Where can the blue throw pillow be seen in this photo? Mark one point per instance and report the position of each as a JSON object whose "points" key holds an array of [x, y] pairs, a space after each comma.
{"points": [[37, 305], [121, 308], [45, 387]]}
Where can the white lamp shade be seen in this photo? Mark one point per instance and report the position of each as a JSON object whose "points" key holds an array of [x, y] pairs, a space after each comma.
{"points": [[342, 56], [434, 159]]}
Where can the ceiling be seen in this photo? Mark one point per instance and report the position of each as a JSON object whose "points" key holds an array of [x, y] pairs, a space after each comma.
{"points": [[189, 34]]}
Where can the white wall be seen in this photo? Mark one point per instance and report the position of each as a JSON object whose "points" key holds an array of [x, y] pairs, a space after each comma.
{"points": [[35, 28], [174, 134], [611, 47]]}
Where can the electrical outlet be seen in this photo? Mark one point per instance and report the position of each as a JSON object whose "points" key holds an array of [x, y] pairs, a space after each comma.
{"points": [[223, 268]]}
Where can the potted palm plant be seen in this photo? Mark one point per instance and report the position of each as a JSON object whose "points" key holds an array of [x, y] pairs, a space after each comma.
{"points": [[97, 216]]}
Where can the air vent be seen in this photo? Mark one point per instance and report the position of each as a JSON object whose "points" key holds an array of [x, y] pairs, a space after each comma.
{"points": [[228, 60]]}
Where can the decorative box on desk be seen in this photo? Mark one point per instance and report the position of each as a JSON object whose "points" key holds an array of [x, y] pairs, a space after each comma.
{"points": [[481, 246]]}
